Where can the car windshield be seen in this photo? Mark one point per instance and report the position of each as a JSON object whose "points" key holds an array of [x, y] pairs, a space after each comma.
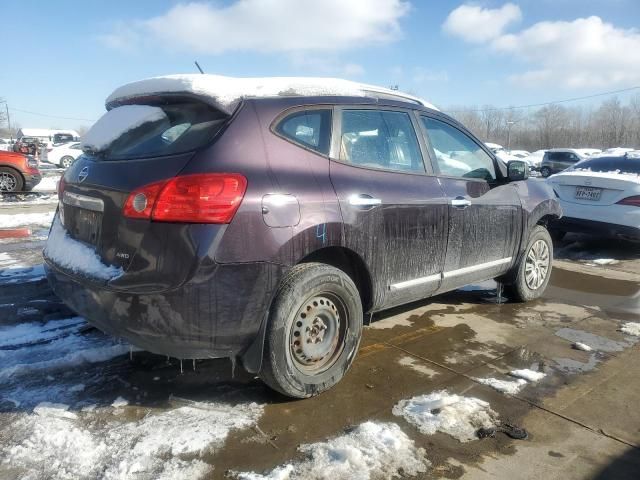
{"points": [[161, 130], [621, 165]]}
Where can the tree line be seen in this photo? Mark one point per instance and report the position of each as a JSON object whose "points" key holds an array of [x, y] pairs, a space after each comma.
{"points": [[611, 124]]}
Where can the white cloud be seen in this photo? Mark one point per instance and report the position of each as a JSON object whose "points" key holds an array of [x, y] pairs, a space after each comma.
{"points": [[477, 25], [583, 53], [586, 52], [265, 26]]}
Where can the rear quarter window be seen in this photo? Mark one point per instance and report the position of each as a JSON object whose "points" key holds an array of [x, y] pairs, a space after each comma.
{"points": [[309, 128]]}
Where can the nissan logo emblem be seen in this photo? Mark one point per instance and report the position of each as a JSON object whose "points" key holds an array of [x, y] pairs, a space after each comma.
{"points": [[84, 173]]}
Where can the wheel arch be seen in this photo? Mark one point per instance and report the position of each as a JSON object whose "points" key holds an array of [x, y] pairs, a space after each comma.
{"points": [[337, 256]]}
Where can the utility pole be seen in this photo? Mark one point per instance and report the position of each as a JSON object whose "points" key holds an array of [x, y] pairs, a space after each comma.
{"points": [[6, 106], [509, 125]]}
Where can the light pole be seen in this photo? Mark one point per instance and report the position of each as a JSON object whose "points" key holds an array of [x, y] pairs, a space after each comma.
{"points": [[509, 125]]}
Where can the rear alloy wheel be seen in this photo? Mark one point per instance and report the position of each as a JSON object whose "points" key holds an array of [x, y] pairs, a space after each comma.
{"points": [[10, 180], [314, 331], [545, 172], [534, 268], [65, 162]]}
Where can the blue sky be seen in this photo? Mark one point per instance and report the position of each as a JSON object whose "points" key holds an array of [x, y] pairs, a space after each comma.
{"points": [[63, 58]]}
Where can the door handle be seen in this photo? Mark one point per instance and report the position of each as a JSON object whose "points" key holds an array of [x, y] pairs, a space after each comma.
{"points": [[460, 202], [363, 200]]}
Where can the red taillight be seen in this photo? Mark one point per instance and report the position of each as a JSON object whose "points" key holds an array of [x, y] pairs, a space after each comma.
{"points": [[197, 198], [61, 185], [632, 201]]}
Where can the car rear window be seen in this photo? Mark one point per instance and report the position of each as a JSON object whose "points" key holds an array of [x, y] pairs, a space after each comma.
{"points": [[185, 126], [310, 128], [609, 165]]}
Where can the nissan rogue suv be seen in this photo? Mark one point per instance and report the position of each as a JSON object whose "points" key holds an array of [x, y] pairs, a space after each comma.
{"points": [[265, 219]]}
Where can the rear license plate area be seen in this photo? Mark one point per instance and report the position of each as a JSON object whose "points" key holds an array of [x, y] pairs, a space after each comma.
{"points": [[588, 193], [84, 225]]}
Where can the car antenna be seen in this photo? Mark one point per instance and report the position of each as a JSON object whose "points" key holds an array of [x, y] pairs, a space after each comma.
{"points": [[197, 65]]}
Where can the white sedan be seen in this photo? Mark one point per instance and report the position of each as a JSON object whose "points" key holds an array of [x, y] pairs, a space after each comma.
{"points": [[64, 155], [600, 195]]}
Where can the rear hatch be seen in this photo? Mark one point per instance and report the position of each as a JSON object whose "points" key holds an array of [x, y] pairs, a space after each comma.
{"points": [[593, 188], [130, 147]]}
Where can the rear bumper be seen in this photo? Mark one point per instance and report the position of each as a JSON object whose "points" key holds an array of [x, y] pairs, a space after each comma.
{"points": [[217, 314], [580, 225]]}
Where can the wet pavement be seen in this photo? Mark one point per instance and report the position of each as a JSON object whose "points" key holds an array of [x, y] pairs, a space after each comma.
{"points": [[130, 414]]}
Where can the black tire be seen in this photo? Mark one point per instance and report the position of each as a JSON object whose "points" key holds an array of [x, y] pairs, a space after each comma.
{"points": [[304, 289], [545, 172], [10, 180], [66, 161], [521, 290]]}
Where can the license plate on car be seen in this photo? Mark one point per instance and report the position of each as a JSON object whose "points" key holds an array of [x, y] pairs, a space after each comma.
{"points": [[86, 226], [588, 193]]}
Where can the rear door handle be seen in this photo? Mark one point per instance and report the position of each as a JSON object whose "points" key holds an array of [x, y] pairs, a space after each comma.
{"points": [[363, 200], [460, 202]]}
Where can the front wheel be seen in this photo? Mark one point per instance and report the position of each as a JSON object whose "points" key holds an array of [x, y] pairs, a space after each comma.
{"points": [[545, 172], [534, 269], [314, 331], [10, 180]]}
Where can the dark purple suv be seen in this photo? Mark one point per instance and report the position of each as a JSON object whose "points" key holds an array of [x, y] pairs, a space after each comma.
{"points": [[269, 227]]}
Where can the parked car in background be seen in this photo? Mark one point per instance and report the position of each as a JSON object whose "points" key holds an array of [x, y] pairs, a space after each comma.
{"points": [[535, 158], [523, 154], [600, 195], [254, 219], [64, 155], [18, 172], [559, 159], [6, 144]]}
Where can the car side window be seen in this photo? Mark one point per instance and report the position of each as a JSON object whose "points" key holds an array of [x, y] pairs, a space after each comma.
{"points": [[381, 139], [457, 154], [310, 128]]}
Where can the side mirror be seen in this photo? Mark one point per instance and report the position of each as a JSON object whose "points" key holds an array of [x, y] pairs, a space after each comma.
{"points": [[517, 170]]}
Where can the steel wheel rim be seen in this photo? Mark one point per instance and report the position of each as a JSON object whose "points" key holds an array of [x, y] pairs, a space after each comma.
{"points": [[66, 163], [537, 264], [8, 182], [316, 337]]}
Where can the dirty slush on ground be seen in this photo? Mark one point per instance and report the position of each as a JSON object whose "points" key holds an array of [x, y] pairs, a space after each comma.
{"points": [[75, 403]]}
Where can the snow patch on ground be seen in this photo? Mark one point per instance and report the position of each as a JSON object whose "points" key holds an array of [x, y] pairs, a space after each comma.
{"points": [[452, 414], [29, 333], [53, 443], [371, 450], [70, 360], [47, 184], [25, 219], [120, 402], [226, 92], [631, 328], [76, 256], [504, 386], [528, 375], [22, 273], [113, 124], [605, 261], [582, 346]]}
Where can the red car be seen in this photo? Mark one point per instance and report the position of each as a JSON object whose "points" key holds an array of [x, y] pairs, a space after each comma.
{"points": [[18, 172]]}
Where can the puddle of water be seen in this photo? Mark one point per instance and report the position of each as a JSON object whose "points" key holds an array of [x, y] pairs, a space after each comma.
{"points": [[594, 341], [611, 295]]}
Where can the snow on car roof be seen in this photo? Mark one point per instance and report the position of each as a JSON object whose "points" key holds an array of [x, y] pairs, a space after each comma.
{"points": [[226, 92]]}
